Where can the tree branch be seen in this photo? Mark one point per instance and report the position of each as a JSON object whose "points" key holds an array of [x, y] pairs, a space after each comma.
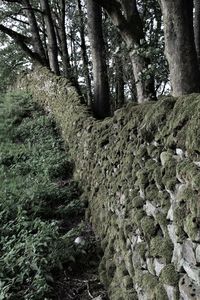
{"points": [[21, 40]]}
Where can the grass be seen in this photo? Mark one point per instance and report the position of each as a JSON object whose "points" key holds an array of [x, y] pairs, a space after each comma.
{"points": [[38, 201]]}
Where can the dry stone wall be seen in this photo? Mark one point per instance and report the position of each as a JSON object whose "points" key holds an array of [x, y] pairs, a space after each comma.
{"points": [[140, 171]]}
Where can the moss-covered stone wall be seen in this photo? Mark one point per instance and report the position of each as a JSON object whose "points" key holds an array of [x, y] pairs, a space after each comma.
{"points": [[140, 171]]}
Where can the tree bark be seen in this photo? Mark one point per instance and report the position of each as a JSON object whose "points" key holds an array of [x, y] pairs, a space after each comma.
{"points": [[67, 72], [22, 41], [180, 46], [197, 27], [52, 42], [36, 40], [84, 54], [125, 16], [101, 105], [119, 82]]}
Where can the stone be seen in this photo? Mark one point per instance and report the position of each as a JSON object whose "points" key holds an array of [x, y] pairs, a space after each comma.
{"points": [[171, 291], [188, 290], [180, 153], [192, 271], [159, 264], [150, 209], [170, 214], [177, 257], [98, 298], [79, 240], [172, 233], [150, 265], [188, 252], [197, 163], [198, 254], [165, 157]]}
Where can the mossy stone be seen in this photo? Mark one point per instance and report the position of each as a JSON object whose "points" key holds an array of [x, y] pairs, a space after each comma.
{"points": [[148, 227], [161, 247], [169, 275]]}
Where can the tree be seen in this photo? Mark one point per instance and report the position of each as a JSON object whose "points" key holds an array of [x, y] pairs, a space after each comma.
{"points": [[12, 62], [36, 39], [125, 16], [180, 46], [52, 41], [101, 105], [84, 53], [197, 27]]}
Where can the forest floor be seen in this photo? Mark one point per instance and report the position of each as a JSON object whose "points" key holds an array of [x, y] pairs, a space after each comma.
{"points": [[47, 249]]}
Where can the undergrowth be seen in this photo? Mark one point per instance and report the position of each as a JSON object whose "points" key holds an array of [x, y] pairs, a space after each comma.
{"points": [[38, 200]]}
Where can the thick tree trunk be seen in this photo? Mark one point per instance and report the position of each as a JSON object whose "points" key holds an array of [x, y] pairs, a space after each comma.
{"points": [[101, 105], [84, 54], [52, 42], [197, 27], [180, 46]]}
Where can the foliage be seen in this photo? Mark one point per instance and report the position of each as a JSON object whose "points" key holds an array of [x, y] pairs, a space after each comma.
{"points": [[12, 62], [37, 197], [13, 16]]}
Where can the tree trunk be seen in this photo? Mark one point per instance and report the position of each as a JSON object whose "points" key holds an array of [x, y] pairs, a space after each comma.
{"points": [[63, 42], [84, 55], [101, 105], [22, 41], [180, 46], [119, 82], [144, 83], [36, 40], [197, 27], [52, 42], [125, 16]]}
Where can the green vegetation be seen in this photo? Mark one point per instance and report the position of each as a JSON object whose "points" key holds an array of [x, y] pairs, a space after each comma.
{"points": [[37, 200]]}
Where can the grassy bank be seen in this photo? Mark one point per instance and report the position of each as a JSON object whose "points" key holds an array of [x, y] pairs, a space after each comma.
{"points": [[40, 207]]}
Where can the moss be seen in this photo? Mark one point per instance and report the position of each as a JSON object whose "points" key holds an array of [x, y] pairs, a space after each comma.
{"points": [[155, 118], [161, 292], [149, 281], [179, 214], [191, 226], [161, 219], [127, 282], [157, 176], [104, 278], [189, 172], [141, 248], [110, 268], [169, 170], [119, 154], [148, 227], [138, 202], [169, 275], [142, 153], [166, 158], [184, 108], [142, 178], [161, 247], [151, 193], [137, 216]]}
